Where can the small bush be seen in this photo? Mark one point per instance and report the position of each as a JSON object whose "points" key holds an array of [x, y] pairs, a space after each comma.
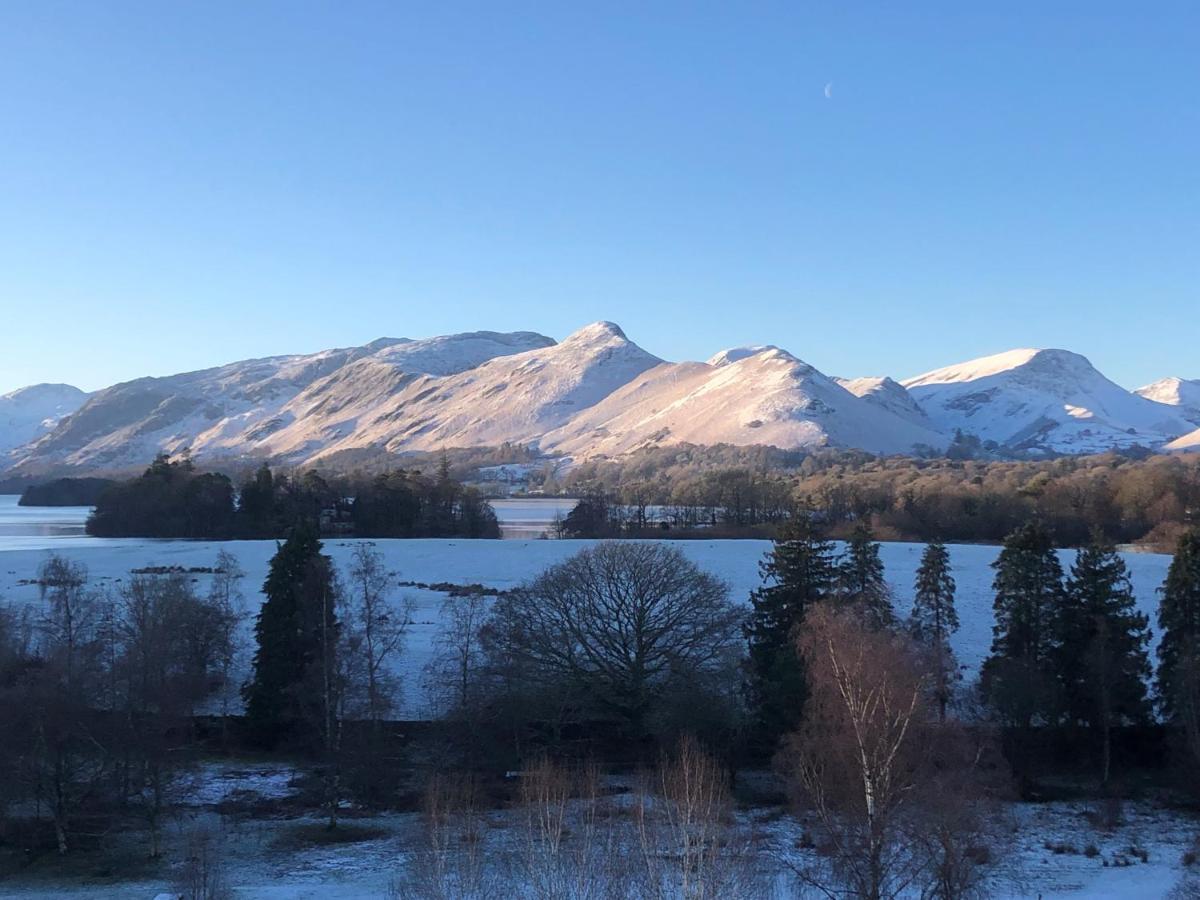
{"points": [[980, 854], [1091, 851]]}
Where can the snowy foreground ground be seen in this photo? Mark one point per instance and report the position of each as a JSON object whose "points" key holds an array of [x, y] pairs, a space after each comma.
{"points": [[1056, 850], [265, 865]]}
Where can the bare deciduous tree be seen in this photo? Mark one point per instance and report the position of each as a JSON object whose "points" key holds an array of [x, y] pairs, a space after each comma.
{"points": [[226, 598], [375, 633], [454, 676], [856, 759], [619, 625], [66, 759]]}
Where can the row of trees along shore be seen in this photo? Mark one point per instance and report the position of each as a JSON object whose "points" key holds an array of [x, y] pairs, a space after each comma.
{"points": [[173, 500], [1127, 497], [622, 652]]}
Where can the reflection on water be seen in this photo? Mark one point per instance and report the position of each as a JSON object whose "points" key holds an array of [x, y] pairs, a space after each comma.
{"points": [[37, 527]]}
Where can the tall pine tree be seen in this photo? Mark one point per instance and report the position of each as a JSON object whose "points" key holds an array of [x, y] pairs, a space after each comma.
{"points": [[1017, 678], [1100, 650], [295, 631], [935, 618], [861, 584], [799, 571], [1179, 649]]}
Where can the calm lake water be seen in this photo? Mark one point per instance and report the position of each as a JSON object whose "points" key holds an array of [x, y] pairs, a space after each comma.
{"points": [[37, 527], [59, 527]]}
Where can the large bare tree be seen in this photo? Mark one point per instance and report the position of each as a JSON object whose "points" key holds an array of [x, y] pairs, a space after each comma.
{"points": [[619, 625]]}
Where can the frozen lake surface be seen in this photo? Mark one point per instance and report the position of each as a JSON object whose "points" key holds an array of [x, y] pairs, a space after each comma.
{"points": [[506, 564]]}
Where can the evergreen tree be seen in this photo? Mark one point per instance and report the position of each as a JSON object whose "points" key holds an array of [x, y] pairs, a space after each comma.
{"points": [[799, 571], [256, 504], [1101, 646], [295, 631], [934, 617], [1017, 678], [860, 579], [1179, 624]]}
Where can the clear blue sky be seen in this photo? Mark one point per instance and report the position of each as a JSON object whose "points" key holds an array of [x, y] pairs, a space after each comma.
{"points": [[183, 184]]}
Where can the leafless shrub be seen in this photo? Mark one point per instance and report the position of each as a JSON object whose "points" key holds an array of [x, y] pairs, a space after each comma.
{"points": [[690, 843], [203, 875], [571, 847], [453, 863]]}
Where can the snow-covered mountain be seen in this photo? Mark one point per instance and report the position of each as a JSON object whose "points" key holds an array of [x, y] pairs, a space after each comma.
{"points": [[888, 394], [232, 410], [1182, 393], [755, 395], [595, 392], [30, 412], [518, 397], [1042, 400]]}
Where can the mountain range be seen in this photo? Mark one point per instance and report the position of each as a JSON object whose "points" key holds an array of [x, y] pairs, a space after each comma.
{"points": [[593, 393]]}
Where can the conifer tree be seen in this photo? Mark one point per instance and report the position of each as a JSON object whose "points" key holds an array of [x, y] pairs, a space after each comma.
{"points": [[1101, 660], [861, 584], [295, 631], [799, 571], [1017, 678], [1179, 649], [934, 617]]}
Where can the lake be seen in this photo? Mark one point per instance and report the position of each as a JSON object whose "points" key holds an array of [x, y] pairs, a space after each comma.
{"points": [[58, 527], [40, 527]]}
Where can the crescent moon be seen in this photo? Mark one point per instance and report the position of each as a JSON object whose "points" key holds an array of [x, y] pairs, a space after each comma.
{"points": [[829, 90]]}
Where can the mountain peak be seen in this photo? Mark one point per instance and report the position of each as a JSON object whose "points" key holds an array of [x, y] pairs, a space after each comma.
{"points": [[1048, 360], [597, 331], [45, 390]]}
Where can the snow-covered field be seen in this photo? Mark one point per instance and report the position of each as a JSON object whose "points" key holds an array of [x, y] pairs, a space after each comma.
{"points": [[1057, 850], [505, 564]]}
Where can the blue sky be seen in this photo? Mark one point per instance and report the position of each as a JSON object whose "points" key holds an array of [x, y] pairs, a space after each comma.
{"points": [[184, 184]]}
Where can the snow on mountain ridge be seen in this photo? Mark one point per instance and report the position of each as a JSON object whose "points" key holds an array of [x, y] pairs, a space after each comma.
{"points": [[1042, 400], [30, 412], [889, 394], [593, 392], [235, 408], [767, 396], [1182, 393], [737, 354]]}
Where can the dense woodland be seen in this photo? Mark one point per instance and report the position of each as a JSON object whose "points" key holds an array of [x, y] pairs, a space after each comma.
{"points": [[1127, 498], [65, 492], [171, 499]]}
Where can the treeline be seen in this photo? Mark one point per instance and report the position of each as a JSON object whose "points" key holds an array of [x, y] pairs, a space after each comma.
{"points": [[98, 690], [623, 654], [1125, 498], [171, 499], [104, 690], [65, 492]]}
